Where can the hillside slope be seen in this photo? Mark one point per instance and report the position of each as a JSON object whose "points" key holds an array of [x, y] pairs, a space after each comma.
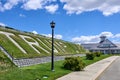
{"points": [[21, 44]]}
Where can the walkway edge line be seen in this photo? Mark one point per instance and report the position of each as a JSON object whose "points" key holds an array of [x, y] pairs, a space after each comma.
{"points": [[103, 69]]}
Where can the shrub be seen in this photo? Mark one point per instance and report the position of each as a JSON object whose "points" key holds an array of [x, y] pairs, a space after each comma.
{"points": [[97, 54], [73, 63], [90, 56]]}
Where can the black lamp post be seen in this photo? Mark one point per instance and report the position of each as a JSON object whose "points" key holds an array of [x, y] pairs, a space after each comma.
{"points": [[52, 24]]}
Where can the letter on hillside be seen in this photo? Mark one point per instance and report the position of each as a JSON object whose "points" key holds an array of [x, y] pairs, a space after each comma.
{"points": [[8, 36], [33, 43], [30, 43]]}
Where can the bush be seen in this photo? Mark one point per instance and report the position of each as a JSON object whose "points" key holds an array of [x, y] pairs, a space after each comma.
{"points": [[73, 63], [90, 56], [97, 54]]}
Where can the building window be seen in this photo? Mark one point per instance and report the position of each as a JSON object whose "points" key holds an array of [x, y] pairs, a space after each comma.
{"points": [[105, 45]]}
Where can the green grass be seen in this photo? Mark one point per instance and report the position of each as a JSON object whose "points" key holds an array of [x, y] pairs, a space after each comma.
{"points": [[12, 49], [39, 71], [88, 62], [5, 63], [29, 40], [9, 72], [30, 51]]}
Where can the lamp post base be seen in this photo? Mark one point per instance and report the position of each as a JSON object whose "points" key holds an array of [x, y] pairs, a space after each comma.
{"points": [[53, 70]]}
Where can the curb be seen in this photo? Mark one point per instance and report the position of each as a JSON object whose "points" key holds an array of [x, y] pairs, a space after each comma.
{"points": [[103, 69], [91, 72]]}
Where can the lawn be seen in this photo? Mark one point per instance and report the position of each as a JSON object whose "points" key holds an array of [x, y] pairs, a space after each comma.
{"points": [[41, 71]]}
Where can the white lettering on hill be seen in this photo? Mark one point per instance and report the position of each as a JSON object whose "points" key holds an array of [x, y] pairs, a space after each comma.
{"points": [[33, 43], [55, 50], [44, 44], [8, 36]]}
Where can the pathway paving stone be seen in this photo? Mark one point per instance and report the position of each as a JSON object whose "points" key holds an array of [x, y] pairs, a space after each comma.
{"points": [[91, 72]]}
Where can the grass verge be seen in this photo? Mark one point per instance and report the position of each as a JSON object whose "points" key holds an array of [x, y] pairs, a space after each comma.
{"points": [[41, 71]]}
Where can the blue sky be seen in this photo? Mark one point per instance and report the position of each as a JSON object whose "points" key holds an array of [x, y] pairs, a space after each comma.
{"points": [[79, 21]]}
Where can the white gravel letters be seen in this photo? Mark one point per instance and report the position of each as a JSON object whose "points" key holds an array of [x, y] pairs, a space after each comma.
{"points": [[8, 36]]}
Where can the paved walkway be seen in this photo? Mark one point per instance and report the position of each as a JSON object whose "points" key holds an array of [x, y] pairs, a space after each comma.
{"points": [[112, 72], [91, 72]]}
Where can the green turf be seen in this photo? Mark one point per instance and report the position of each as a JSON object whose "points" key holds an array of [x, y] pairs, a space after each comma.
{"points": [[39, 72], [63, 47]]}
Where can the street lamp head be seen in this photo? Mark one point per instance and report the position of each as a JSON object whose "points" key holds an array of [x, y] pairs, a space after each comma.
{"points": [[52, 24]]}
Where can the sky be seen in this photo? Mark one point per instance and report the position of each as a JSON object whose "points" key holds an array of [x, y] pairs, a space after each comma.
{"points": [[80, 21]]}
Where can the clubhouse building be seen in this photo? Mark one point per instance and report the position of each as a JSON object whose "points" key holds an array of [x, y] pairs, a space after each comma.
{"points": [[105, 46]]}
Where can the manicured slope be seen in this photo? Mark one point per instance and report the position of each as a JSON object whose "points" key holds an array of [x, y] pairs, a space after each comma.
{"points": [[5, 63], [34, 45]]}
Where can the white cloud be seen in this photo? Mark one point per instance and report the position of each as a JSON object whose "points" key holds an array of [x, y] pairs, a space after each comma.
{"points": [[8, 5], [34, 32], [29, 5], [47, 35], [52, 8], [22, 15], [33, 4], [107, 7], [96, 39], [86, 39], [2, 24], [40, 4], [117, 35], [108, 34], [57, 36]]}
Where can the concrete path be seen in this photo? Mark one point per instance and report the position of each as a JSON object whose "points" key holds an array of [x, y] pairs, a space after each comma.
{"points": [[112, 72], [91, 72]]}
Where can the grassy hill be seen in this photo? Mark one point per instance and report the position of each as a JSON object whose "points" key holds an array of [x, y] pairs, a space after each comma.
{"points": [[5, 63], [34, 45]]}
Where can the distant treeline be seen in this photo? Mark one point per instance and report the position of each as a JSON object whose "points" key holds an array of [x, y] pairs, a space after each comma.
{"points": [[7, 27]]}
